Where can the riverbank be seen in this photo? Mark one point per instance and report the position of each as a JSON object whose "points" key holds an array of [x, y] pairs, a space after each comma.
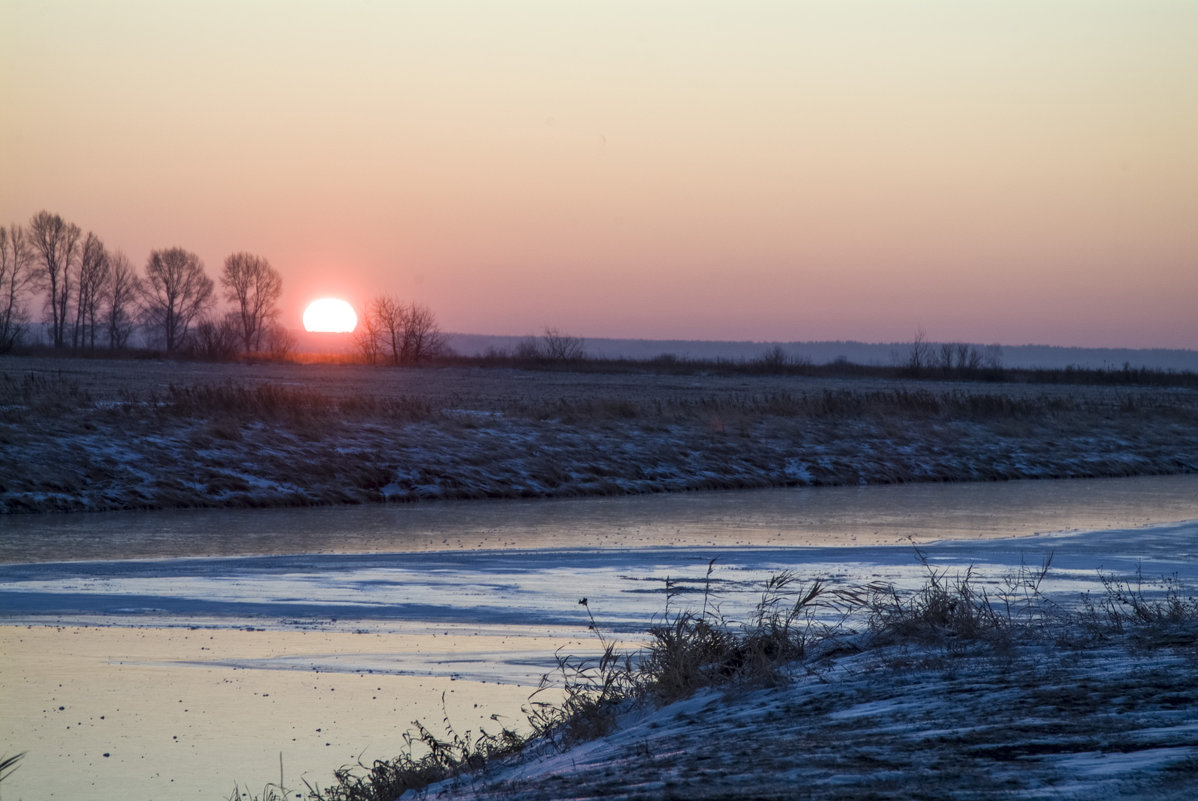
{"points": [[1109, 720], [80, 435]]}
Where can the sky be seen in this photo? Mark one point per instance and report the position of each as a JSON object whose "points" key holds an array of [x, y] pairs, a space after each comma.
{"points": [[1018, 172]]}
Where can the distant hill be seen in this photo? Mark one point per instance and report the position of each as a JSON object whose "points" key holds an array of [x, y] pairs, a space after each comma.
{"points": [[886, 353], [869, 353]]}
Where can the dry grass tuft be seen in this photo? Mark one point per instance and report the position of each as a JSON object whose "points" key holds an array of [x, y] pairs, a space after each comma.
{"points": [[957, 606], [1168, 617], [592, 694], [694, 650]]}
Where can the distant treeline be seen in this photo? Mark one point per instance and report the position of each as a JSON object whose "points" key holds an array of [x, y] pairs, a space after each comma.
{"points": [[868, 353], [558, 352], [774, 362]]}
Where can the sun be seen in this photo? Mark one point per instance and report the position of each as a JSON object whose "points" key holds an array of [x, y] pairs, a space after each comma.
{"points": [[331, 315]]}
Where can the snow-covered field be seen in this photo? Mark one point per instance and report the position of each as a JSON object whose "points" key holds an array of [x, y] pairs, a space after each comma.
{"points": [[85, 436]]}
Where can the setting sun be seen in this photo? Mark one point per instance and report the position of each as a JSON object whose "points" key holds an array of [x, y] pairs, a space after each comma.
{"points": [[331, 315]]}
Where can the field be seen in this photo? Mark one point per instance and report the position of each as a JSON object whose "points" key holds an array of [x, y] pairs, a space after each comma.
{"points": [[137, 434]]}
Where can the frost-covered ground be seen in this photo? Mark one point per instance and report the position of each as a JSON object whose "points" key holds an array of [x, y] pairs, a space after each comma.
{"points": [[1103, 721], [87, 436]]}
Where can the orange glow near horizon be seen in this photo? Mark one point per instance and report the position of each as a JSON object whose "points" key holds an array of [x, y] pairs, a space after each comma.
{"points": [[813, 170], [330, 315]]}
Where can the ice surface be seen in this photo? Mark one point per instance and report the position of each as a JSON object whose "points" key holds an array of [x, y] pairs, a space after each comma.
{"points": [[1104, 722]]}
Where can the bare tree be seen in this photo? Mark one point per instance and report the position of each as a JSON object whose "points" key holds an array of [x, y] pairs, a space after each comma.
{"points": [[921, 353], [56, 244], [175, 292], [255, 287], [387, 313], [959, 356], [992, 358], [946, 353], [408, 332], [528, 349], [120, 293], [368, 337], [93, 275], [969, 357], [422, 338], [561, 347], [552, 346], [16, 275]]}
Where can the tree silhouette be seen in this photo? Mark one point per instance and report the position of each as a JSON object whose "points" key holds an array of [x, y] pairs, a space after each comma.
{"points": [[120, 293], [255, 287], [56, 244], [16, 275], [93, 275], [174, 293], [407, 331]]}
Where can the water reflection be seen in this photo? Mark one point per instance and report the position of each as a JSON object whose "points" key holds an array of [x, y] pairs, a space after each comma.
{"points": [[773, 517]]}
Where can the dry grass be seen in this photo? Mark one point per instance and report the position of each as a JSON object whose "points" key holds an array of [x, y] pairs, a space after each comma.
{"points": [[1125, 605], [697, 649], [9, 764], [956, 607], [134, 435], [690, 650]]}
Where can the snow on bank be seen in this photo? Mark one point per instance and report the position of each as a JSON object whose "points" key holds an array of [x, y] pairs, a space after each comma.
{"points": [[1111, 721], [94, 458]]}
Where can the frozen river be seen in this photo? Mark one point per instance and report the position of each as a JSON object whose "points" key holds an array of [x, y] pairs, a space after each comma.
{"points": [[168, 654]]}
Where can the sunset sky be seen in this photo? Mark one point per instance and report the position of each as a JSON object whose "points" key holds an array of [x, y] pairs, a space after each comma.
{"points": [[1015, 172]]}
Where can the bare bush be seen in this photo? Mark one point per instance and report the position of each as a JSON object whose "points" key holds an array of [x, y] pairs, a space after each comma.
{"points": [[773, 359], [562, 347], [215, 339], [552, 346], [528, 350], [278, 341]]}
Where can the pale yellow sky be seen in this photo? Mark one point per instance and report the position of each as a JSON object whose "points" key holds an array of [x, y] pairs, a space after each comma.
{"points": [[989, 171]]}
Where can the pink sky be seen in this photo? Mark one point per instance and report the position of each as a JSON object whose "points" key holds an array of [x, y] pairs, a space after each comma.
{"points": [[1019, 172]]}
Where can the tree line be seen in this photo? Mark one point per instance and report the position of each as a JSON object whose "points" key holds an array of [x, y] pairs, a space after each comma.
{"points": [[94, 297]]}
